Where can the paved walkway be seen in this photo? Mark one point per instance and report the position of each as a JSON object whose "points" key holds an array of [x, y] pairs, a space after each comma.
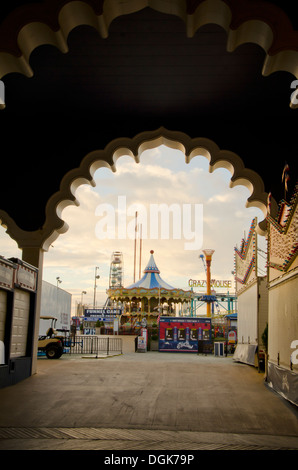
{"points": [[145, 401]]}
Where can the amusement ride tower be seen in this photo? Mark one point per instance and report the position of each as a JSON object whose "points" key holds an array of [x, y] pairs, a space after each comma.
{"points": [[208, 255], [116, 270]]}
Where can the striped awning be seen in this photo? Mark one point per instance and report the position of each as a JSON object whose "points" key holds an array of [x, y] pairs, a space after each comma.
{"points": [[151, 278]]}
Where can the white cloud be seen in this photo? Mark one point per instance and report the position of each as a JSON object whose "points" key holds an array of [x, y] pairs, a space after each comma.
{"points": [[8, 247]]}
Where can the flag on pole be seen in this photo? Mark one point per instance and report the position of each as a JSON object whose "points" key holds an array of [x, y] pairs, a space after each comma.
{"points": [[285, 176]]}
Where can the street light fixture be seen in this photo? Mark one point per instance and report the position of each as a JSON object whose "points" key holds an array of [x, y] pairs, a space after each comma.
{"points": [[82, 309], [57, 292], [96, 276], [83, 292]]}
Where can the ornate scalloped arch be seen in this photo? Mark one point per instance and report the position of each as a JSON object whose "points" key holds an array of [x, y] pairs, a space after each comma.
{"points": [[218, 158], [244, 21]]}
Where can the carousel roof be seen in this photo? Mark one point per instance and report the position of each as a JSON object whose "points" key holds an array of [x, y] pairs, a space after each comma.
{"points": [[151, 278]]}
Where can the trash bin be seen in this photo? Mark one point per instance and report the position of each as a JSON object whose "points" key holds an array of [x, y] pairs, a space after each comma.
{"points": [[200, 347], [219, 349]]}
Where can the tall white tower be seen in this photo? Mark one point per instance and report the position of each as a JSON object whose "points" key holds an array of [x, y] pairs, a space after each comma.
{"points": [[116, 270]]}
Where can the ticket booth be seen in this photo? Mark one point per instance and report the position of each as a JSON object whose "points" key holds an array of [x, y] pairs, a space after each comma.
{"points": [[18, 287]]}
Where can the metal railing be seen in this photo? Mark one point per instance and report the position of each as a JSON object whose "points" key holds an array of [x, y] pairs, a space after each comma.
{"points": [[92, 345]]}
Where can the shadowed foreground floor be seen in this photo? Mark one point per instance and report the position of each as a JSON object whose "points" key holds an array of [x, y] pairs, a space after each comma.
{"points": [[145, 401]]}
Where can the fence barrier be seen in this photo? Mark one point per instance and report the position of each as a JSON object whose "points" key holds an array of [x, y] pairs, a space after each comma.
{"points": [[92, 345]]}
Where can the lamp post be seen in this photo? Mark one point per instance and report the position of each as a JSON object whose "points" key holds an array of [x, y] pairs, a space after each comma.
{"points": [[208, 256], [82, 309], [159, 309], [83, 292], [58, 282], [96, 276]]}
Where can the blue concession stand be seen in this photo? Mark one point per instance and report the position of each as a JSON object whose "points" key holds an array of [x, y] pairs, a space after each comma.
{"points": [[185, 334]]}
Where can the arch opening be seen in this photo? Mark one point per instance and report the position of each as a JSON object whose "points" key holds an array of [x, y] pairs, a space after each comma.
{"points": [[166, 171], [161, 177], [179, 179]]}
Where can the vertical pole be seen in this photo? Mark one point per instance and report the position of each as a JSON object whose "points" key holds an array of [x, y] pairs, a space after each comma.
{"points": [[159, 312], [135, 249], [94, 292], [34, 256], [96, 276], [140, 262], [208, 263], [208, 256]]}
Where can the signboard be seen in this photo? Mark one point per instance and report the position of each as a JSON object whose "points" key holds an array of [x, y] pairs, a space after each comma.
{"points": [[89, 331], [6, 274], [142, 340], [141, 343], [102, 314], [26, 275], [213, 283], [26, 278], [184, 334], [116, 326], [232, 336]]}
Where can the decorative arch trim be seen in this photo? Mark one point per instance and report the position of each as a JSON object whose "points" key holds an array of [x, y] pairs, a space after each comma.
{"points": [[218, 158], [258, 22]]}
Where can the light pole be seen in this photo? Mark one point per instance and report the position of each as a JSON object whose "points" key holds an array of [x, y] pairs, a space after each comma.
{"points": [[58, 282], [208, 255], [83, 292], [96, 276]]}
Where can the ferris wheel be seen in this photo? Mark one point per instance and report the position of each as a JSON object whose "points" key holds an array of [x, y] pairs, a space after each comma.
{"points": [[116, 270]]}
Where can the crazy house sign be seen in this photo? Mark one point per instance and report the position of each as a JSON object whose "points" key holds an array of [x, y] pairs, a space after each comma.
{"points": [[213, 283]]}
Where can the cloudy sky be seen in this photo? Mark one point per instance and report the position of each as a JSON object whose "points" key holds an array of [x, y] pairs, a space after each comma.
{"points": [[216, 212]]}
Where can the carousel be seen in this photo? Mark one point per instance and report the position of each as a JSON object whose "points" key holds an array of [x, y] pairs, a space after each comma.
{"points": [[149, 297]]}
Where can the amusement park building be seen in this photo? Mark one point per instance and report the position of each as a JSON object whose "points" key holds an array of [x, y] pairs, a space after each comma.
{"points": [[252, 294], [283, 299], [150, 296]]}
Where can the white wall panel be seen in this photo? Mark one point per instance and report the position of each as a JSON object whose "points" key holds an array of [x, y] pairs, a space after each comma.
{"points": [[248, 315], [20, 323], [55, 302], [283, 320]]}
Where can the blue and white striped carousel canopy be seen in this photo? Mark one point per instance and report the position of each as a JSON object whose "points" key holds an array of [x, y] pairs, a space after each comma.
{"points": [[151, 278]]}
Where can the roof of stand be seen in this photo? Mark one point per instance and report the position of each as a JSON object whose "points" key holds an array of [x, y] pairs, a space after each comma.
{"points": [[151, 278]]}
